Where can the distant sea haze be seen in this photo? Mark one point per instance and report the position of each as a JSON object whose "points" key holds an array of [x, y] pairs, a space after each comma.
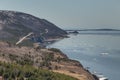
{"points": [[99, 52]]}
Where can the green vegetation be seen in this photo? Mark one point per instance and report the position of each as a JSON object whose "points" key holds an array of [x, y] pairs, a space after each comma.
{"points": [[13, 40], [19, 30], [13, 71], [10, 41], [28, 43], [47, 59], [26, 60], [55, 50]]}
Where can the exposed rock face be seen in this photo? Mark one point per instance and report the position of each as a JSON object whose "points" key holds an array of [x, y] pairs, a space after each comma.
{"points": [[51, 59], [17, 24]]}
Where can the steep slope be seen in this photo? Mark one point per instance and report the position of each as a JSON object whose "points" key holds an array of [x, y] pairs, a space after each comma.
{"points": [[17, 24], [50, 59]]}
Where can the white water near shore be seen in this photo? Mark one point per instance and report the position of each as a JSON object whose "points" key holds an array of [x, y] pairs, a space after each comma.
{"points": [[100, 52]]}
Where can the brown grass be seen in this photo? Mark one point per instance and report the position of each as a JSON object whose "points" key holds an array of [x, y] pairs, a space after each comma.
{"points": [[75, 75]]}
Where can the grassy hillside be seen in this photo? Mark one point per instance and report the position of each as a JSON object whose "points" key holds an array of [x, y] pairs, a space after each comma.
{"points": [[37, 64], [12, 71]]}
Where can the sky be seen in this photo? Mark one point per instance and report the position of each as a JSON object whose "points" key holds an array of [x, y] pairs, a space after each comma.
{"points": [[78, 14]]}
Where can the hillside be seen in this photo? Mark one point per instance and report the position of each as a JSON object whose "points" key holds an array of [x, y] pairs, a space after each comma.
{"points": [[17, 24], [12, 71], [46, 59]]}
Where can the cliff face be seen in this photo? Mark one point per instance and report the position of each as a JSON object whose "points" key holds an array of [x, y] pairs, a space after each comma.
{"points": [[17, 24], [50, 59]]}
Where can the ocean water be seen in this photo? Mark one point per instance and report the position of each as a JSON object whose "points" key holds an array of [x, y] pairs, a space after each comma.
{"points": [[100, 51]]}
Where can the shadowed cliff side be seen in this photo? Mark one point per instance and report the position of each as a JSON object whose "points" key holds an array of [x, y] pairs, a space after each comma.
{"points": [[17, 24]]}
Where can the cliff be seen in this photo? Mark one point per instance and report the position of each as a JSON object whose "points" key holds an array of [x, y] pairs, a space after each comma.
{"points": [[48, 59]]}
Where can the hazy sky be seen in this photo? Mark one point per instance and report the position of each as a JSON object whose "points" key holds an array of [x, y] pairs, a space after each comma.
{"points": [[70, 13]]}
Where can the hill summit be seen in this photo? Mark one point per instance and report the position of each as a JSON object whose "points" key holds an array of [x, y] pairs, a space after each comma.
{"points": [[17, 24]]}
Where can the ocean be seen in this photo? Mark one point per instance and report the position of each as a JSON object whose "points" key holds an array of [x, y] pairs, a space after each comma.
{"points": [[98, 50]]}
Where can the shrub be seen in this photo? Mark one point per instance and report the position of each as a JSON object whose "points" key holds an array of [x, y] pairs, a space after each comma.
{"points": [[54, 49], [12, 71]]}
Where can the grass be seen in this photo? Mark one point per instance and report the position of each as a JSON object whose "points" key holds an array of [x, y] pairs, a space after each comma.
{"points": [[11, 71]]}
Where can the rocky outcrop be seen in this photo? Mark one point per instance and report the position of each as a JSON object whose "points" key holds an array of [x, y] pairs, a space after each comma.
{"points": [[50, 59]]}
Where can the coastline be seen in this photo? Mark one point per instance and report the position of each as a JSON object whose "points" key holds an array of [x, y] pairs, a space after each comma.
{"points": [[72, 73], [70, 48], [54, 59]]}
